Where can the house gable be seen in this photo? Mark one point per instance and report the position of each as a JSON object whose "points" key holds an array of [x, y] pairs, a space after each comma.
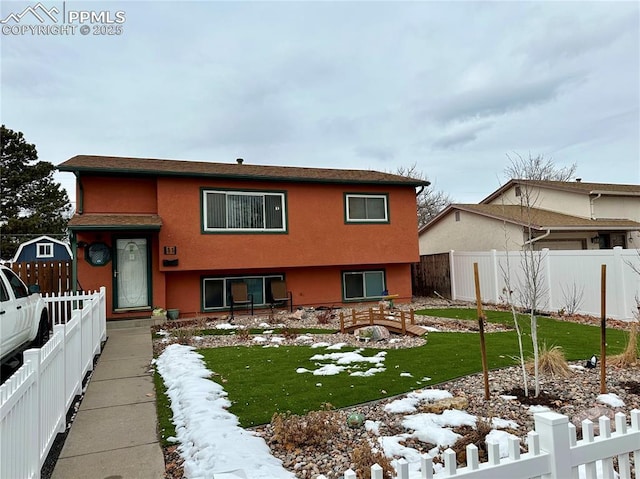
{"points": [[462, 229]]}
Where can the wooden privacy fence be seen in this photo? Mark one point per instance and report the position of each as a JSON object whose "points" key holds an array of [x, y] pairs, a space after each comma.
{"points": [[553, 453], [431, 275], [53, 277], [35, 400]]}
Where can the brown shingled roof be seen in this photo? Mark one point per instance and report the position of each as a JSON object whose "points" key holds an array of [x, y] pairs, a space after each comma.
{"points": [[111, 221], [539, 219], [156, 167], [544, 219]]}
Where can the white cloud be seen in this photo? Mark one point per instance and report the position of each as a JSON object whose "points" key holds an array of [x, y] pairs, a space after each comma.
{"points": [[452, 87]]}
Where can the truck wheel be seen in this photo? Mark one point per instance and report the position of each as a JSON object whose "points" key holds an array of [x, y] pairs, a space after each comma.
{"points": [[43, 333]]}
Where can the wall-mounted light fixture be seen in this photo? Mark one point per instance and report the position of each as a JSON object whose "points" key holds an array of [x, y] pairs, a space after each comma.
{"points": [[595, 239]]}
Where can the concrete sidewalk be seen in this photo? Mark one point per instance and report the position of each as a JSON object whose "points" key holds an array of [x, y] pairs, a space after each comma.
{"points": [[114, 435]]}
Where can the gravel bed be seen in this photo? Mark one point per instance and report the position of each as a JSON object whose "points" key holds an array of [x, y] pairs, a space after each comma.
{"points": [[575, 396]]}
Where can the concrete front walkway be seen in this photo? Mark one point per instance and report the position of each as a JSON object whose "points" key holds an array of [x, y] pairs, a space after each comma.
{"points": [[114, 435]]}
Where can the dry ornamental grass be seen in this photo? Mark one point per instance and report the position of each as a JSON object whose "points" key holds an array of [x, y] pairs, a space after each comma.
{"points": [[551, 362], [630, 355], [293, 431], [363, 457]]}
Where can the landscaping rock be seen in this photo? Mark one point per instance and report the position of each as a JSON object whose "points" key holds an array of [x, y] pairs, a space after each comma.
{"points": [[458, 402], [593, 414], [373, 333], [299, 314]]}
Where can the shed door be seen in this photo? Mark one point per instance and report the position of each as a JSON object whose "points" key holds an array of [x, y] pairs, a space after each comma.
{"points": [[132, 273]]}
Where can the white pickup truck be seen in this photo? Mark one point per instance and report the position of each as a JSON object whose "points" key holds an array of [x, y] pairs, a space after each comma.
{"points": [[24, 319]]}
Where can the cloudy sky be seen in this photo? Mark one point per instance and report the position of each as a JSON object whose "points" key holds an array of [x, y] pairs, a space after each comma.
{"points": [[453, 87]]}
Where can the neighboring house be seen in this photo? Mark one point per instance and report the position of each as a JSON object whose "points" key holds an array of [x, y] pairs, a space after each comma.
{"points": [[43, 248], [177, 234], [561, 216]]}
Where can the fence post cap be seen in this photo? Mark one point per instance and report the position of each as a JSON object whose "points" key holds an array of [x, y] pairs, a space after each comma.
{"points": [[550, 418]]}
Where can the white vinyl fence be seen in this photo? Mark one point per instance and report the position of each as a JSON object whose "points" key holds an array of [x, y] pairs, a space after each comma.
{"points": [[564, 276], [553, 453], [34, 401]]}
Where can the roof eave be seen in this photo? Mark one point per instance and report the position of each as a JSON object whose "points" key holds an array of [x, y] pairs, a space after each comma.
{"points": [[245, 177], [614, 193], [593, 228], [114, 227]]}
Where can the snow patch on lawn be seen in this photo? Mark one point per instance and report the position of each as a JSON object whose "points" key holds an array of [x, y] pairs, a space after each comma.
{"points": [[210, 437]]}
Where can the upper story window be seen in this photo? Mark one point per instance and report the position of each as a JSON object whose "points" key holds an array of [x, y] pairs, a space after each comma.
{"points": [[243, 211], [44, 250], [366, 208]]}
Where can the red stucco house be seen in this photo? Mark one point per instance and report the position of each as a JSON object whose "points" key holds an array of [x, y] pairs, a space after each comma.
{"points": [[177, 234]]}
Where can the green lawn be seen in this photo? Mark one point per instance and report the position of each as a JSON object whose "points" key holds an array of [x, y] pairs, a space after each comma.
{"points": [[261, 381]]}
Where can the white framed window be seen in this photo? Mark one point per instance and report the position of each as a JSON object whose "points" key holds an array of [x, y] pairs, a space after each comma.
{"points": [[366, 208], [44, 250], [243, 211], [359, 285]]}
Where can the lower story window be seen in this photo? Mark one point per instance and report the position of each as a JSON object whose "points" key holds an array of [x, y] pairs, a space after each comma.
{"points": [[216, 291], [363, 284]]}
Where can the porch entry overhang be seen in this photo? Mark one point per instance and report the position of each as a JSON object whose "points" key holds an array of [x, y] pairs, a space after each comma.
{"points": [[115, 222]]}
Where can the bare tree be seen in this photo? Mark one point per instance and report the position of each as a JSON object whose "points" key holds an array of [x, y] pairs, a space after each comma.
{"points": [[538, 168], [508, 292], [573, 298], [430, 201], [632, 265], [531, 289]]}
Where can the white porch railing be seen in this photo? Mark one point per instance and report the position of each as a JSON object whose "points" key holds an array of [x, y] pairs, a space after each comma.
{"points": [[554, 453], [34, 401]]}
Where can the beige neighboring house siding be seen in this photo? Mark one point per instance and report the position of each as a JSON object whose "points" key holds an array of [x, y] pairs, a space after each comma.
{"points": [[565, 215], [472, 233], [574, 204], [620, 207], [617, 207]]}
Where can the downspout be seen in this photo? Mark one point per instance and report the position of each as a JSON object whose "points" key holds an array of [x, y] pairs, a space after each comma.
{"points": [[593, 215], [80, 199], [533, 240], [422, 187]]}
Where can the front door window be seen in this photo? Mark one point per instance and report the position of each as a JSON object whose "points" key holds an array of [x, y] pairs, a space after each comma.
{"points": [[132, 273]]}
